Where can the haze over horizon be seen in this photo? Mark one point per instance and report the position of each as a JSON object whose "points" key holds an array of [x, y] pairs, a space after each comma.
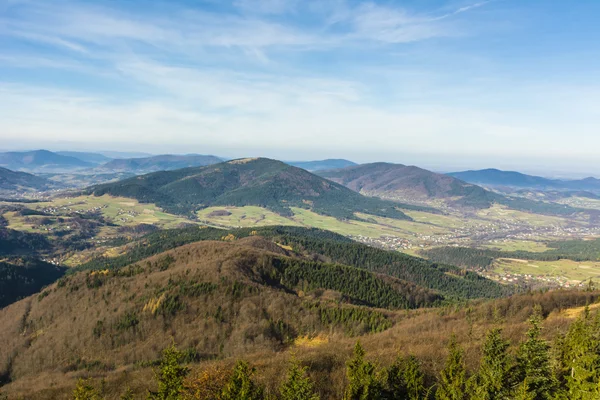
{"points": [[445, 85]]}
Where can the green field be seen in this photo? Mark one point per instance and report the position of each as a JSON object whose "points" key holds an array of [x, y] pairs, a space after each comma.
{"points": [[502, 213], [119, 211], [570, 270], [518, 245]]}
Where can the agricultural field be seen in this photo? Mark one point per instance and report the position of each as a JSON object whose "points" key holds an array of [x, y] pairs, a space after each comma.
{"points": [[581, 202], [518, 245], [118, 210], [504, 214], [569, 270]]}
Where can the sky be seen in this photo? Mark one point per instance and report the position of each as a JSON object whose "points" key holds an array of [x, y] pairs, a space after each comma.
{"points": [[445, 85]]}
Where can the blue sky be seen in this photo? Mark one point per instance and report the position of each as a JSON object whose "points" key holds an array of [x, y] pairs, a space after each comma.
{"points": [[441, 84]]}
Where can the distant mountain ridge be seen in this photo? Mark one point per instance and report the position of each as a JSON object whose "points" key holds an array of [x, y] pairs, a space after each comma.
{"points": [[322, 164], [14, 181], [40, 160], [165, 162], [253, 181], [413, 184], [496, 177], [92, 158], [408, 182]]}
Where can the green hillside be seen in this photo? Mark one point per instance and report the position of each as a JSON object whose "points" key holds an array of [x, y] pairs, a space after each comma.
{"points": [[315, 244], [261, 182]]}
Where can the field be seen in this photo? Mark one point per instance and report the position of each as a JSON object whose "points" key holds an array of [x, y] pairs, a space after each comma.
{"points": [[570, 270], [118, 210], [502, 213], [518, 245]]}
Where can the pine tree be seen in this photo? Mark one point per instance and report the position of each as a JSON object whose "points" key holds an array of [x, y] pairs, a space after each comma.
{"points": [[128, 395], [241, 386], [170, 375], [85, 390], [363, 383], [453, 378], [298, 386], [404, 379], [414, 379], [533, 362], [492, 379], [580, 359]]}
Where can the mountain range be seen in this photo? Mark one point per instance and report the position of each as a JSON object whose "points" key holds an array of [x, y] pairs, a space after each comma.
{"points": [[414, 185], [41, 160], [15, 181], [165, 162], [253, 181], [322, 164], [495, 177]]}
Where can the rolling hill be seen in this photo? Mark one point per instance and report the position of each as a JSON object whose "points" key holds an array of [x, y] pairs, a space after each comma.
{"points": [[409, 183], [41, 160], [14, 181], [322, 164], [92, 158], [165, 162], [258, 181], [495, 177], [413, 184]]}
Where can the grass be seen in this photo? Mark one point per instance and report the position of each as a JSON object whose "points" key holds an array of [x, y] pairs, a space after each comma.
{"points": [[503, 213], [519, 245], [568, 269], [121, 211], [244, 217]]}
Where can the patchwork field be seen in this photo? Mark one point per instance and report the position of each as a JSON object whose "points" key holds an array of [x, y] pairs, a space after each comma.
{"points": [[570, 270]]}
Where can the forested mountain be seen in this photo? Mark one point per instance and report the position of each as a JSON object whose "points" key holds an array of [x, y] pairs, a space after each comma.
{"points": [[253, 181], [322, 164], [40, 160], [14, 181], [315, 244], [92, 158], [495, 177], [270, 300], [397, 180], [22, 277], [407, 183], [164, 162]]}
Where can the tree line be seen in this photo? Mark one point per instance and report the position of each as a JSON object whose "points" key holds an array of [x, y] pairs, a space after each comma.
{"points": [[567, 368]]}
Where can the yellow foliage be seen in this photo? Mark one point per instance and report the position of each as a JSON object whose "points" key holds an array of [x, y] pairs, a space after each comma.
{"points": [[229, 238], [153, 304], [307, 341]]}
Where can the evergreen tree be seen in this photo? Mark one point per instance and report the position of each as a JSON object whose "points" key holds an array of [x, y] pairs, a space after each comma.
{"points": [[404, 379], [363, 383], [128, 395], [533, 362], [414, 378], [241, 386], [298, 386], [85, 390], [522, 392], [492, 379], [452, 383], [170, 375], [580, 359]]}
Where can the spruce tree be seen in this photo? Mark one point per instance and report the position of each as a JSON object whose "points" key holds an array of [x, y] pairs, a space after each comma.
{"points": [[580, 359], [533, 362], [493, 378], [297, 386], [170, 375], [127, 395], [241, 386], [453, 378], [85, 390], [404, 379], [414, 379], [362, 380]]}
